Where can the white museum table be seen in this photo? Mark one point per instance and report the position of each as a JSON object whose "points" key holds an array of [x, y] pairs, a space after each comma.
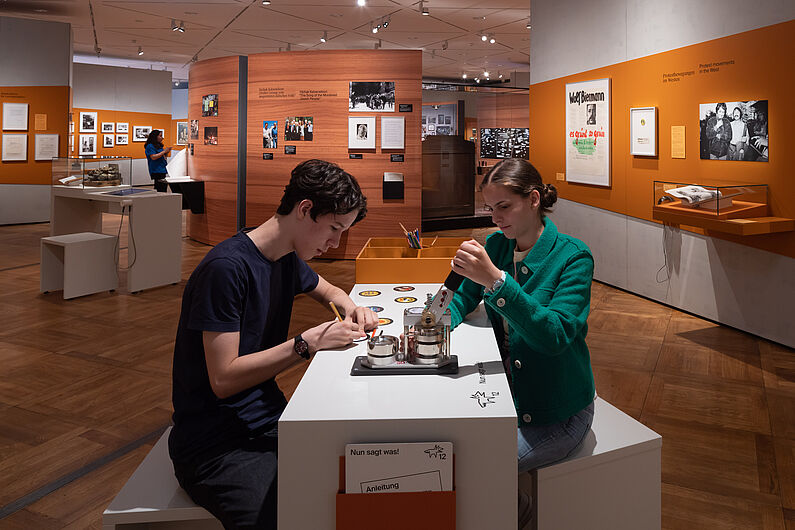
{"points": [[154, 237], [472, 409]]}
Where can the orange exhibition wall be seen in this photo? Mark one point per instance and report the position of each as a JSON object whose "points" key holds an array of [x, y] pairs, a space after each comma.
{"points": [[52, 101], [132, 149], [747, 66]]}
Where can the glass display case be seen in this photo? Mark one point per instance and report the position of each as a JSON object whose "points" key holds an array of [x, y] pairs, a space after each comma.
{"points": [[714, 202], [88, 173]]}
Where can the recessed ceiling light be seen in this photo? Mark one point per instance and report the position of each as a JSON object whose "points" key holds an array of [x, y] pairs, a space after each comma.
{"points": [[361, 2], [484, 37], [266, 2], [140, 51]]}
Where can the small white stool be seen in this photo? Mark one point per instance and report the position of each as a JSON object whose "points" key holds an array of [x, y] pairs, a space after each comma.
{"points": [[153, 499], [613, 481], [80, 264]]}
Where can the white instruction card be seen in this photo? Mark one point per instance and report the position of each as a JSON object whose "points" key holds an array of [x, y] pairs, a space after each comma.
{"points": [[396, 467]]}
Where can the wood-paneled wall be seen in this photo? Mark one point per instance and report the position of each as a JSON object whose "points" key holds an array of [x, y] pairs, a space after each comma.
{"points": [[215, 164], [315, 84]]}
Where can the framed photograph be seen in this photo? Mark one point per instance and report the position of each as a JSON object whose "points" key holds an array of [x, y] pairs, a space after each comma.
{"points": [[393, 132], [734, 130], [270, 134], [643, 131], [46, 146], [107, 127], [15, 147], [361, 132], [367, 96], [107, 140], [140, 132], [210, 105], [122, 127], [15, 116], [447, 120], [194, 129], [440, 119], [299, 128], [182, 133], [121, 139], [88, 145], [88, 122], [211, 136], [587, 105]]}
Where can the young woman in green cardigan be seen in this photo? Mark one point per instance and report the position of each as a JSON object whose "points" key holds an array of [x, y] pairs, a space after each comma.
{"points": [[536, 285]]}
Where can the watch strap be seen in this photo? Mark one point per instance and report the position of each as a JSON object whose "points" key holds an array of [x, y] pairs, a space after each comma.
{"points": [[301, 347]]}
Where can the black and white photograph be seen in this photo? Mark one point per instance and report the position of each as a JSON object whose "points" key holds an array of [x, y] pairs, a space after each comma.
{"points": [[367, 96], [121, 139], [88, 144], [270, 134], [194, 129], [182, 133], [361, 132], [88, 122], [122, 127], [590, 111], [500, 142], [211, 136], [140, 132], [734, 130], [299, 129], [107, 127], [107, 140]]}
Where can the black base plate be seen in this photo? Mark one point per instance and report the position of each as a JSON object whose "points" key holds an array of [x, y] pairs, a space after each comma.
{"points": [[401, 369]]}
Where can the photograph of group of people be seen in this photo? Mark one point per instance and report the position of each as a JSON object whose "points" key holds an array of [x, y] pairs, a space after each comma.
{"points": [[734, 130], [270, 133], [501, 142], [210, 105], [366, 96], [298, 129]]}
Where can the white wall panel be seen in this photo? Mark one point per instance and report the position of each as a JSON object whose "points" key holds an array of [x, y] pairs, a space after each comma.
{"points": [[740, 286], [34, 53], [599, 229], [179, 103], [123, 89], [24, 203], [569, 36]]}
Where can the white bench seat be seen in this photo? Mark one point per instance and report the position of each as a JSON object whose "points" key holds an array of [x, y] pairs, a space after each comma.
{"points": [[152, 498], [612, 482], [80, 264]]}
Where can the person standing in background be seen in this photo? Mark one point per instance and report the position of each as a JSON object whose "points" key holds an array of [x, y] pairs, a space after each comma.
{"points": [[156, 159]]}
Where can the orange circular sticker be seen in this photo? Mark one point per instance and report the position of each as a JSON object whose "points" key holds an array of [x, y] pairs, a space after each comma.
{"points": [[383, 321]]}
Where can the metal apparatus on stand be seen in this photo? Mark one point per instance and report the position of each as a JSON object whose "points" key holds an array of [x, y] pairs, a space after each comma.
{"points": [[425, 347]]}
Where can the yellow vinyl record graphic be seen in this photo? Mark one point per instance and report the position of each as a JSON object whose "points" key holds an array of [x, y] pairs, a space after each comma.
{"points": [[405, 299], [369, 293]]}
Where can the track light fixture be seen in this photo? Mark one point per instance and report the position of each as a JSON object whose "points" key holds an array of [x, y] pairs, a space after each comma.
{"points": [[374, 29], [528, 23], [486, 74], [181, 27], [464, 76], [325, 36], [477, 80], [444, 45], [386, 22], [289, 47], [423, 9], [266, 2], [174, 26], [377, 45], [484, 37], [492, 40], [140, 51]]}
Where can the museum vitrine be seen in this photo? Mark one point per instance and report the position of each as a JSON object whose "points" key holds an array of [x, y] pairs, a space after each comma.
{"points": [[92, 172]]}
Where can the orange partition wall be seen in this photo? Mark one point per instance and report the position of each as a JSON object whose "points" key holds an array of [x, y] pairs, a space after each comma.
{"points": [[316, 84], [52, 101], [215, 164], [132, 149], [746, 66]]}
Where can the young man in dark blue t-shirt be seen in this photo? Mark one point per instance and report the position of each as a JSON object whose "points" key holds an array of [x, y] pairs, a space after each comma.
{"points": [[232, 342]]}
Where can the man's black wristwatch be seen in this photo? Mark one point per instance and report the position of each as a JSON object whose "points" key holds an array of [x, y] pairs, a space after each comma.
{"points": [[301, 347]]}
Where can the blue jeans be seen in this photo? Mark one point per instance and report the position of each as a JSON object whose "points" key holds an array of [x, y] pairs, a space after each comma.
{"points": [[539, 445]]}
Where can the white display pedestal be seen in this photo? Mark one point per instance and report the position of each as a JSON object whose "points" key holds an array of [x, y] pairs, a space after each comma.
{"points": [[472, 409], [154, 238], [80, 264]]}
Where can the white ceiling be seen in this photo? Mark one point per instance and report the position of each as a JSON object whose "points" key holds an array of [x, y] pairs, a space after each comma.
{"points": [[217, 28]]}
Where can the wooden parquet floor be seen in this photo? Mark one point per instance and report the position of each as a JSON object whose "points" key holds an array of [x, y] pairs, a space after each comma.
{"points": [[86, 390]]}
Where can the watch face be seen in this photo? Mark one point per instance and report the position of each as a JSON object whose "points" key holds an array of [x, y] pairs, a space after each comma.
{"points": [[301, 347]]}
